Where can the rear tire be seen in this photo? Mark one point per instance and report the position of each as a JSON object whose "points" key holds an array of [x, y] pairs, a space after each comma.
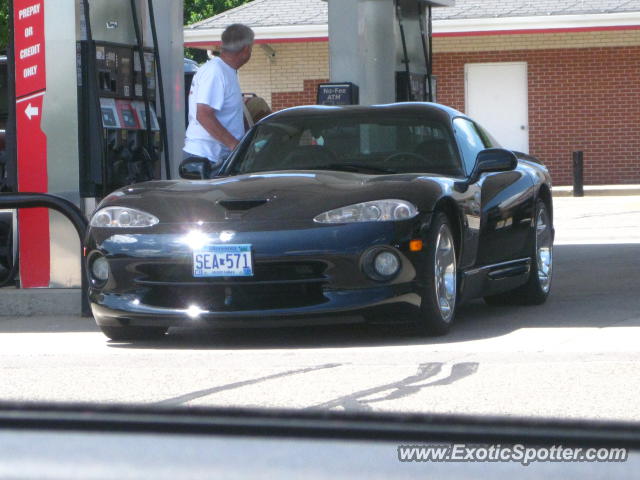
{"points": [[134, 333], [438, 308], [538, 286]]}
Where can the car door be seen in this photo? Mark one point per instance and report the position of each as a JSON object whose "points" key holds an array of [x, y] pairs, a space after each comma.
{"points": [[506, 200]]}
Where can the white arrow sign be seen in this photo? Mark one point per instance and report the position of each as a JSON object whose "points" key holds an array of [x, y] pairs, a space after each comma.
{"points": [[31, 111]]}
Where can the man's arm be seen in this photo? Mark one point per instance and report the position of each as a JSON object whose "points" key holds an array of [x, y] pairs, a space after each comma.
{"points": [[206, 116]]}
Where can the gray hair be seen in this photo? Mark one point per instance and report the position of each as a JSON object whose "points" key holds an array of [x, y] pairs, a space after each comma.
{"points": [[236, 37]]}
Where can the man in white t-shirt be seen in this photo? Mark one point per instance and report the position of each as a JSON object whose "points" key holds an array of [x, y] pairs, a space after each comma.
{"points": [[216, 115]]}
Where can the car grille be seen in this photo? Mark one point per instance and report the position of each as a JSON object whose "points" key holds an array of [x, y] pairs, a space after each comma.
{"points": [[264, 272], [275, 285], [238, 298]]}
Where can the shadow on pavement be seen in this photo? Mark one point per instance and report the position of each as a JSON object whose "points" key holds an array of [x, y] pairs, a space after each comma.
{"points": [[594, 286]]}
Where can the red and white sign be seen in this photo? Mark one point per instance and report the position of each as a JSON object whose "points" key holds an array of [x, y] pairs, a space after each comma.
{"points": [[28, 21], [31, 142]]}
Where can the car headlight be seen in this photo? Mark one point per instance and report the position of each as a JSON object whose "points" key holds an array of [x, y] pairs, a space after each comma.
{"points": [[122, 217], [376, 211]]}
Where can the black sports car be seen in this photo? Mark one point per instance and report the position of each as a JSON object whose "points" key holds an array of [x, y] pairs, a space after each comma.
{"points": [[390, 213]]}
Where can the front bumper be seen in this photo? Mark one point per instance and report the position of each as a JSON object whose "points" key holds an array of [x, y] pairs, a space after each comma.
{"points": [[302, 276], [341, 307]]}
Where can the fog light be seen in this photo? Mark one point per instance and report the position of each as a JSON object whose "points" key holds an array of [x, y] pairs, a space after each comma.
{"points": [[100, 269], [386, 264]]}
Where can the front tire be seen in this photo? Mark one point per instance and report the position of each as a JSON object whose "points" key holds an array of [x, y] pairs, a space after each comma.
{"points": [[538, 286], [438, 308], [133, 333]]}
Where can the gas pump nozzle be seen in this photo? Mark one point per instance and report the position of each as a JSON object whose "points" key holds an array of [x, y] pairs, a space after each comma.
{"points": [[141, 161]]}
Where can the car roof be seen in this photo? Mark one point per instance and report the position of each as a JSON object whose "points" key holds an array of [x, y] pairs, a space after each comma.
{"points": [[435, 109], [190, 66]]}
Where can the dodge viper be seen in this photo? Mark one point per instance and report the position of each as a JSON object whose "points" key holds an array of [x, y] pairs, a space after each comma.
{"points": [[394, 213]]}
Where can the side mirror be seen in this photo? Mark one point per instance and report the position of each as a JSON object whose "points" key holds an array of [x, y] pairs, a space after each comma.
{"points": [[489, 160], [495, 160], [196, 169]]}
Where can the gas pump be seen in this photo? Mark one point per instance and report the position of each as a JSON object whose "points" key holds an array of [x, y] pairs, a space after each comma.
{"points": [[89, 116], [414, 75], [393, 46], [121, 141]]}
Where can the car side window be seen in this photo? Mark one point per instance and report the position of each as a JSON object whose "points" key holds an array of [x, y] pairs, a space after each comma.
{"points": [[469, 140], [488, 139]]}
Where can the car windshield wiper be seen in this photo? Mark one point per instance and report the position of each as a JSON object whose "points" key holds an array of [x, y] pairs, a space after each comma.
{"points": [[353, 167]]}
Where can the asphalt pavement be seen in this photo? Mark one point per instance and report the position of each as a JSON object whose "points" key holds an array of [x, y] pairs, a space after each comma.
{"points": [[576, 356]]}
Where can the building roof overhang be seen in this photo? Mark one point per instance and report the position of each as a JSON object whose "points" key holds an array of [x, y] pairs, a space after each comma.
{"points": [[203, 37]]}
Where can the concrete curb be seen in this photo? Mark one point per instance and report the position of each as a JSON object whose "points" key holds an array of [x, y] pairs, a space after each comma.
{"points": [[598, 190], [35, 302]]}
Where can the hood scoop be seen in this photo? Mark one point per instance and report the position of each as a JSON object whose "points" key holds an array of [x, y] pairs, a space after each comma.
{"points": [[236, 208], [241, 205]]}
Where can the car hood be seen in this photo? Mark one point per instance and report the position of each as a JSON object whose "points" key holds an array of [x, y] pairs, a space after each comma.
{"points": [[278, 196]]}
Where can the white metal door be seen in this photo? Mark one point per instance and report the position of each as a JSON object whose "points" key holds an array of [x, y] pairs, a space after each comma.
{"points": [[497, 97]]}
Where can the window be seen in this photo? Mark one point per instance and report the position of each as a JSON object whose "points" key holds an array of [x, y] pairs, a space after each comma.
{"points": [[470, 142], [488, 139], [380, 144]]}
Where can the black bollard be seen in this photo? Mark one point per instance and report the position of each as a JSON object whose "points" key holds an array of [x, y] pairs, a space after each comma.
{"points": [[578, 174]]}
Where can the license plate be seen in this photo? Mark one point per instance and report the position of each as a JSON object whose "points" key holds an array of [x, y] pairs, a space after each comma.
{"points": [[223, 261]]}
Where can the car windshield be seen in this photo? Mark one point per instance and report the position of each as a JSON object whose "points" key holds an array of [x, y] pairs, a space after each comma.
{"points": [[372, 144]]}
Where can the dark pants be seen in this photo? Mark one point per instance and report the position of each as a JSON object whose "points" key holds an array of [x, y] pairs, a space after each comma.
{"points": [[202, 167]]}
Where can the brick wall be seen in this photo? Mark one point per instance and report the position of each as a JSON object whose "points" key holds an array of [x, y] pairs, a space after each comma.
{"points": [[289, 75], [579, 99], [306, 96]]}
